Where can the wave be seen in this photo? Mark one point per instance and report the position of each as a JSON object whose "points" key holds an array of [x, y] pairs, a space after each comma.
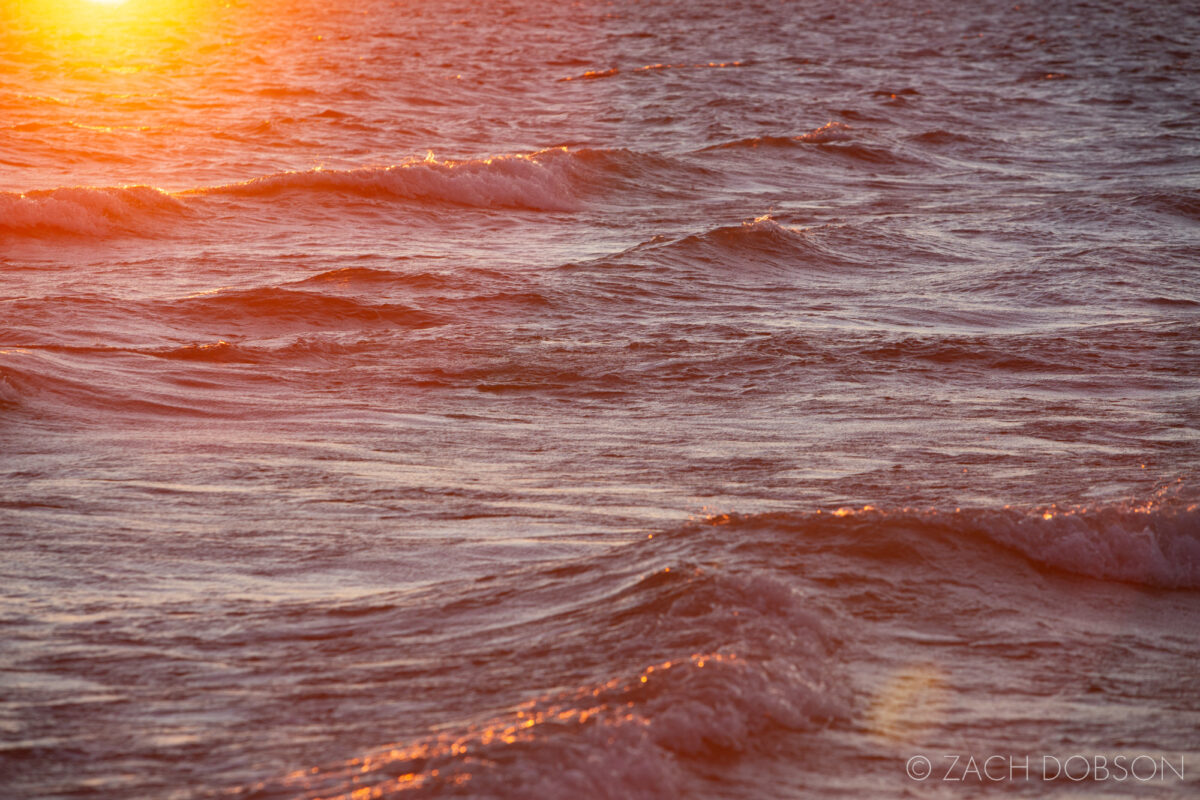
{"points": [[310, 349], [217, 377], [595, 74], [698, 644], [829, 132], [10, 394], [88, 211], [551, 180], [1171, 301], [940, 136], [591, 75], [761, 239], [865, 153], [1184, 203], [1153, 543], [276, 310], [39, 381], [761, 243], [831, 139], [1147, 544], [630, 737], [371, 277], [271, 309], [554, 179], [1061, 353], [279, 309], [545, 181], [684, 664]]}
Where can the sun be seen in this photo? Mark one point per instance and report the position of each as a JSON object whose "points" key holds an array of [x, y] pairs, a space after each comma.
{"points": [[108, 2]]}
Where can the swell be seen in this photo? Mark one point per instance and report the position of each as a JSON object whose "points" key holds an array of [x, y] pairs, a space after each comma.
{"points": [[372, 278], [473, 291], [210, 338], [268, 310], [551, 180], [279, 310], [832, 139], [1094, 351], [545, 181]]}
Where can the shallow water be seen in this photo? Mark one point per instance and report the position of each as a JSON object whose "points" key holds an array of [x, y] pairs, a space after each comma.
{"points": [[597, 400]]}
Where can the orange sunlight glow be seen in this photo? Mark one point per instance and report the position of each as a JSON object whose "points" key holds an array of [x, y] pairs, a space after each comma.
{"points": [[121, 37]]}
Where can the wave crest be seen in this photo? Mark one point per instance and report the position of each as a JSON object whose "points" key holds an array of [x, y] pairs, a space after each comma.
{"points": [[1153, 544]]}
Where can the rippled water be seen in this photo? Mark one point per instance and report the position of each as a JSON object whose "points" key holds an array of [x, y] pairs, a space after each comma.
{"points": [[532, 399]]}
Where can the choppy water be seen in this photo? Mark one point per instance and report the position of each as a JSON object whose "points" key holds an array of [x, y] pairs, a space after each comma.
{"points": [[536, 399]]}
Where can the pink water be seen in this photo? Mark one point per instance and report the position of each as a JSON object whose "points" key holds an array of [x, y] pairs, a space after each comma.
{"points": [[483, 400]]}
